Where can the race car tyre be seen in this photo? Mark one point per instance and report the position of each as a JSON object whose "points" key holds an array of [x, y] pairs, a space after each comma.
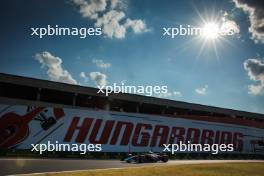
{"points": [[164, 159]]}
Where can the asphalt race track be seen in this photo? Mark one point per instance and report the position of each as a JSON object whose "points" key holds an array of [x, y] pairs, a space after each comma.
{"points": [[25, 166]]}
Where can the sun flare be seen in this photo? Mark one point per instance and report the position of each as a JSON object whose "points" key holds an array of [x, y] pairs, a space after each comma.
{"points": [[210, 30]]}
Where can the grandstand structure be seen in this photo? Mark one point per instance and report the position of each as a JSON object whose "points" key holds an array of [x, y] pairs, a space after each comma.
{"points": [[31, 92], [39, 92]]}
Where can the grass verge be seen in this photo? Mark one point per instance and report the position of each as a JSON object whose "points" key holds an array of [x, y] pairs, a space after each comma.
{"points": [[231, 169]]}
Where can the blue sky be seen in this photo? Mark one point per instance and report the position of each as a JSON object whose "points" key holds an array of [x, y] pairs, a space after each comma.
{"points": [[143, 57]]}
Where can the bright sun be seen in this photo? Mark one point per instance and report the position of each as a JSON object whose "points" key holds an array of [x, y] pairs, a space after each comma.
{"points": [[210, 30], [213, 29]]}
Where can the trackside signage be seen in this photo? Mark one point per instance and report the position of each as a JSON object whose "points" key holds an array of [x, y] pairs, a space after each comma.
{"points": [[22, 126]]}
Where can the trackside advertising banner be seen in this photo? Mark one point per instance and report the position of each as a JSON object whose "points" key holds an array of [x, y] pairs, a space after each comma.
{"points": [[21, 126]]}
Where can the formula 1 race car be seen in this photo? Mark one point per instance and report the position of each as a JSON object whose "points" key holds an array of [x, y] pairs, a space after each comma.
{"points": [[147, 158]]}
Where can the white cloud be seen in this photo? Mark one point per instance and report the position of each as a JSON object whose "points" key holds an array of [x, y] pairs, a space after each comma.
{"points": [[55, 70], [228, 25], [138, 26], [91, 8], [202, 90], [112, 20], [255, 10], [110, 24], [177, 93], [170, 94], [84, 76], [101, 64], [99, 78], [114, 3], [255, 70]]}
